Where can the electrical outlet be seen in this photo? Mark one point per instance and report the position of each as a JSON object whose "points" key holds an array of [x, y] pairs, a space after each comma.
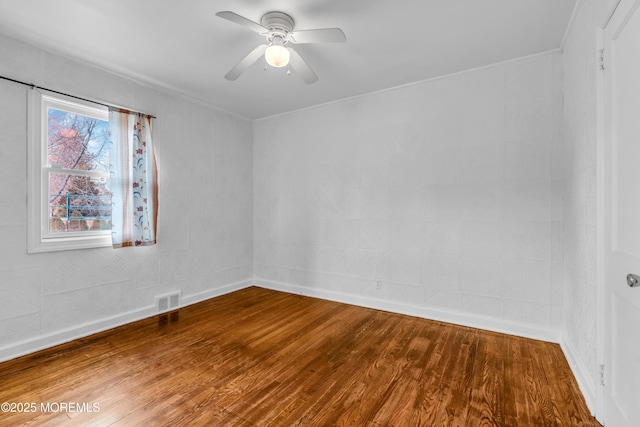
{"points": [[378, 283]]}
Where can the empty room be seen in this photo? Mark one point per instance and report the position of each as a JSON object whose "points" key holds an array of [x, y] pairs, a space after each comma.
{"points": [[317, 213]]}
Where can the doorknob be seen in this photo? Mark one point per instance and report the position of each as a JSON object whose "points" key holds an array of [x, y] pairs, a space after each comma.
{"points": [[632, 280]]}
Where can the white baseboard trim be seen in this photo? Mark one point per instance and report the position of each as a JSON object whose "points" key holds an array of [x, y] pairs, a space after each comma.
{"points": [[212, 293], [463, 319], [581, 373], [52, 339], [42, 342]]}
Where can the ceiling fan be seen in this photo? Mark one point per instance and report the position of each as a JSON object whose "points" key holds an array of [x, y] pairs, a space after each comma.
{"points": [[277, 28]]}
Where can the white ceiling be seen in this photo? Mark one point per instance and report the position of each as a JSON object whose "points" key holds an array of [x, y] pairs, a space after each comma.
{"points": [[182, 45]]}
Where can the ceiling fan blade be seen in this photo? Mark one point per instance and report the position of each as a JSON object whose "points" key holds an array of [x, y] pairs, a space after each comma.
{"points": [[301, 68], [322, 35], [241, 20], [246, 62]]}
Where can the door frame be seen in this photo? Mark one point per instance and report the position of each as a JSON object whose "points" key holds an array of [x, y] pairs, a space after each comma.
{"points": [[600, 219], [600, 223], [602, 132]]}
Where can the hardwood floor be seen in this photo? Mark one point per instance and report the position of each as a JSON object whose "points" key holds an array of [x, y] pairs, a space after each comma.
{"points": [[263, 358]]}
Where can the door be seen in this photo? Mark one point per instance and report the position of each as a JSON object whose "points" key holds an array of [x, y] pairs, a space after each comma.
{"points": [[621, 214]]}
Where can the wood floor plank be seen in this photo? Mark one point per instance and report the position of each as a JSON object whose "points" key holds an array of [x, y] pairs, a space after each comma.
{"points": [[263, 358]]}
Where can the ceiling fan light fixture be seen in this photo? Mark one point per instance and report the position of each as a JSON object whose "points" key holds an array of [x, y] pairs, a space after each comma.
{"points": [[278, 29], [276, 54]]}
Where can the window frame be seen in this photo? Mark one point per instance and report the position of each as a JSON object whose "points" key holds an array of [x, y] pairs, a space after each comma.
{"points": [[39, 237]]}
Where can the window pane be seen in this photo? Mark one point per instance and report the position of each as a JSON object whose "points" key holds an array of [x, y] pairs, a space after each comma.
{"points": [[78, 203], [75, 141]]}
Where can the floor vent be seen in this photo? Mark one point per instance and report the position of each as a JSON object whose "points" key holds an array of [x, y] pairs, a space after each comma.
{"points": [[168, 302], [174, 300]]}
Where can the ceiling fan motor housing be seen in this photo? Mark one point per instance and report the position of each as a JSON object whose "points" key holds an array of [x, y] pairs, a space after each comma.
{"points": [[278, 23]]}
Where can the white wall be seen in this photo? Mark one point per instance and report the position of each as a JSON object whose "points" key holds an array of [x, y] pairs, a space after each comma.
{"points": [[448, 190], [580, 75], [205, 236]]}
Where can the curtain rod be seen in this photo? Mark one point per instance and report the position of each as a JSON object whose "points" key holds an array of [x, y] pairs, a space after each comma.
{"points": [[33, 86]]}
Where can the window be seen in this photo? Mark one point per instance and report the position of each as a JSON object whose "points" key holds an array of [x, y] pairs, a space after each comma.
{"points": [[69, 195]]}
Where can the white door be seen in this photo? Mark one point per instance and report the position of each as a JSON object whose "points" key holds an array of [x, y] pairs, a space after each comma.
{"points": [[621, 213]]}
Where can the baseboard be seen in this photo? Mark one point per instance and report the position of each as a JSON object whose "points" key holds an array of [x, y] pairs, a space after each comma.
{"points": [[581, 373], [474, 321], [212, 293], [60, 337]]}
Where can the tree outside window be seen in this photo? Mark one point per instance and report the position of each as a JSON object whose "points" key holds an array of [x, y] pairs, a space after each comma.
{"points": [[77, 202]]}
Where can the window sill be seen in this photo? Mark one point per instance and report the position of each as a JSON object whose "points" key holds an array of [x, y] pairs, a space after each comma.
{"points": [[39, 245]]}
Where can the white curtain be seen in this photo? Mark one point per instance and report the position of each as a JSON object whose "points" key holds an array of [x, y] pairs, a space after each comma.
{"points": [[134, 180]]}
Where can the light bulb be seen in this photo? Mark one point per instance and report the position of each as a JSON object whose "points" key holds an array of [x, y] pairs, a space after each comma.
{"points": [[276, 54]]}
